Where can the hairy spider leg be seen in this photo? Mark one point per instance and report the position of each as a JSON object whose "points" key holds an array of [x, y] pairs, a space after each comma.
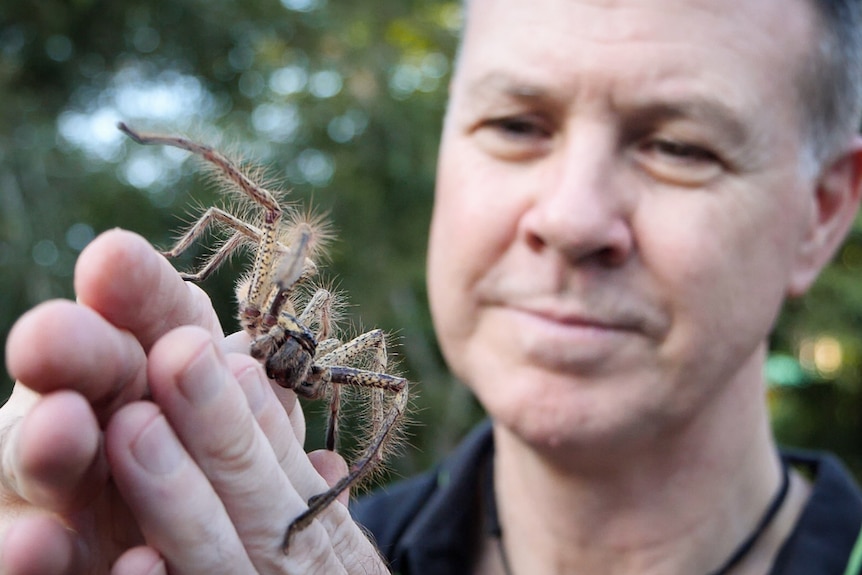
{"points": [[334, 374], [243, 232], [277, 325], [347, 354], [318, 311], [289, 272], [267, 250], [369, 457]]}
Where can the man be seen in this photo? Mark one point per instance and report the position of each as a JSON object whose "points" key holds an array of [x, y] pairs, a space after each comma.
{"points": [[627, 191]]}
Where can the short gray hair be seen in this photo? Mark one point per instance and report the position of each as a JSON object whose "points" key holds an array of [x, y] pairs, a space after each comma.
{"points": [[831, 81]]}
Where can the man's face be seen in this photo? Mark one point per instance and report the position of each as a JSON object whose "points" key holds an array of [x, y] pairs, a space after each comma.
{"points": [[620, 206]]}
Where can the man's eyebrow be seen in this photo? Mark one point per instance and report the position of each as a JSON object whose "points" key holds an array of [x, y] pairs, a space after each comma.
{"points": [[710, 111], [642, 113], [497, 84]]}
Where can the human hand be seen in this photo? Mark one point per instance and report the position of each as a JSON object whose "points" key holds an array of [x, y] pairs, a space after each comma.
{"points": [[81, 364], [76, 364], [215, 473]]}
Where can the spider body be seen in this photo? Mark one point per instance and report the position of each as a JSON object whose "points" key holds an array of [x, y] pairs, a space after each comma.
{"points": [[297, 350], [291, 364]]}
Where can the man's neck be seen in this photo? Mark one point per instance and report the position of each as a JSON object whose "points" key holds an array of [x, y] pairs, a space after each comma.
{"points": [[666, 508]]}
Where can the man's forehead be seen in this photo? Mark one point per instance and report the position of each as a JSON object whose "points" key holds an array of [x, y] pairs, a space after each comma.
{"points": [[548, 39], [725, 13]]}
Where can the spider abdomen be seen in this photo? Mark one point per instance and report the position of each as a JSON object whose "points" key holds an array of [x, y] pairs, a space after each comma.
{"points": [[290, 365]]}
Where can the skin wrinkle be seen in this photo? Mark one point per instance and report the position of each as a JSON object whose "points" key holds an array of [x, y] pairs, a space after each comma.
{"points": [[739, 141], [690, 120]]}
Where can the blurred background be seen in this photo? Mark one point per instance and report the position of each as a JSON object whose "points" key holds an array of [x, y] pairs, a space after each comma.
{"points": [[342, 102]]}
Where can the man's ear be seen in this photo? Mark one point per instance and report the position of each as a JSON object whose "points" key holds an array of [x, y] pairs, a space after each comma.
{"points": [[836, 201]]}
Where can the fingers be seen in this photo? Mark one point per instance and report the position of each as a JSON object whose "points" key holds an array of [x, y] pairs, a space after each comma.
{"points": [[54, 460], [275, 409], [140, 561], [177, 509], [84, 368], [61, 345], [122, 277], [239, 475], [193, 385], [332, 468], [132, 297], [23, 548], [147, 561]]}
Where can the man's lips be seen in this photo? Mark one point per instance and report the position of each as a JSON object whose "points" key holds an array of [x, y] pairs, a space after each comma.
{"points": [[562, 340], [560, 315], [601, 314]]}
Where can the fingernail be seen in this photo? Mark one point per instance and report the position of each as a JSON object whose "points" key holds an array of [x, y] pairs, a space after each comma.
{"points": [[204, 377], [156, 448]]}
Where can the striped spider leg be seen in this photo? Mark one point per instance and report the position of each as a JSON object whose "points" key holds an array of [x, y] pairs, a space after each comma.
{"points": [[316, 366], [298, 351], [270, 238]]}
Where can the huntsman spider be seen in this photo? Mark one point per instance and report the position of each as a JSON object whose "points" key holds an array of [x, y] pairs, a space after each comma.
{"points": [[297, 349]]}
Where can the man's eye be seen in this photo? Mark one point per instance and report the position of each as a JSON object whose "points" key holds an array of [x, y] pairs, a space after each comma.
{"points": [[514, 138], [518, 127], [680, 151], [679, 163]]}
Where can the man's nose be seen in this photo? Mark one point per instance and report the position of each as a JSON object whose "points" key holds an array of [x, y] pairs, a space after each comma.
{"points": [[582, 207]]}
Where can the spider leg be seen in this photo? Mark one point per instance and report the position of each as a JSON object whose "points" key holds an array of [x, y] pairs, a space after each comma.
{"points": [[243, 232], [318, 311], [259, 195], [267, 250], [287, 275], [212, 215], [332, 427], [215, 260], [263, 322], [347, 354], [372, 453], [328, 345]]}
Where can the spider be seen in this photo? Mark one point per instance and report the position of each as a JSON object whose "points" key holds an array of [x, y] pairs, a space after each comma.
{"points": [[297, 350]]}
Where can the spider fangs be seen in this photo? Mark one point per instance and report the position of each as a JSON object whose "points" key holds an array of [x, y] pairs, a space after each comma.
{"points": [[298, 352]]}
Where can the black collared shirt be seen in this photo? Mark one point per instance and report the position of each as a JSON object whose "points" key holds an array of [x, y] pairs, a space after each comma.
{"points": [[434, 524]]}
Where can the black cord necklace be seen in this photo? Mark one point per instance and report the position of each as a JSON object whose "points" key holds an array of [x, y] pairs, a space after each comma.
{"points": [[738, 554], [765, 521]]}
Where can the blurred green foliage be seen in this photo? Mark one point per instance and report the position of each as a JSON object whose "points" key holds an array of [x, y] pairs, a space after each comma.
{"points": [[342, 101]]}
